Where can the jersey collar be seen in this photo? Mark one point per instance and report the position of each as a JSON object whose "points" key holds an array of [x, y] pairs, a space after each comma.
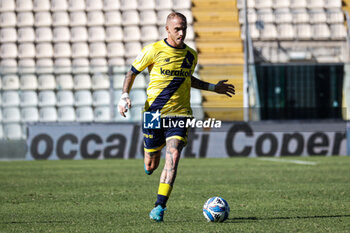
{"points": [[166, 42]]}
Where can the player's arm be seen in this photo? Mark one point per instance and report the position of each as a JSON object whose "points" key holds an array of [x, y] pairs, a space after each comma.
{"points": [[143, 60], [221, 87], [125, 102]]}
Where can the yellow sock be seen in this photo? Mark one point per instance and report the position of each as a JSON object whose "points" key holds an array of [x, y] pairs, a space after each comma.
{"points": [[163, 194], [165, 189]]}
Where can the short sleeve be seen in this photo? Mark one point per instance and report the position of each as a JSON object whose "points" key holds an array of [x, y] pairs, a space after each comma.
{"points": [[144, 59]]}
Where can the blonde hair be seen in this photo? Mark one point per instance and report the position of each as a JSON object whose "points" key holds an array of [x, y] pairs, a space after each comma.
{"points": [[174, 14]]}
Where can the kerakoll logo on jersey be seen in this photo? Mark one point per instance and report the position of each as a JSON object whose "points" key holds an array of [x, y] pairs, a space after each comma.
{"points": [[178, 73], [152, 120]]}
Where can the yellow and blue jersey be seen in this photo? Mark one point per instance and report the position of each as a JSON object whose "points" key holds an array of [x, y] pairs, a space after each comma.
{"points": [[170, 72]]}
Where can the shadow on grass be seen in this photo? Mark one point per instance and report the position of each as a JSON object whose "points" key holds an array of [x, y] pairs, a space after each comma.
{"points": [[247, 219]]}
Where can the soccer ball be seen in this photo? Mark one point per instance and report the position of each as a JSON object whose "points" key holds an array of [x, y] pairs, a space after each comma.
{"points": [[216, 209]]}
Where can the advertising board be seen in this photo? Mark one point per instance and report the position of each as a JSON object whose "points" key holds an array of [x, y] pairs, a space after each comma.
{"points": [[232, 139]]}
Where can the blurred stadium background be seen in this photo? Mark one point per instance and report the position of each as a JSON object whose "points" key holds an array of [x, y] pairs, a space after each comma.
{"points": [[65, 60]]}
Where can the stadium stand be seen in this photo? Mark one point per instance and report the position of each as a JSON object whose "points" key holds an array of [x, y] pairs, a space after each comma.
{"points": [[84, 114], [28, 99], [47, 98], [12, 131], [66, 114], [54, 53], [10, 82], [48, 114], [102, 114], [11, 115], [83, 98], [29, 114], [279, 29], [220, 50], [65, 98], [10, 99], [101, 98]]}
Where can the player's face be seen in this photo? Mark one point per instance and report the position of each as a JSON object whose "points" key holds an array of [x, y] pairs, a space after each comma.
{"points": [[176, 29]]}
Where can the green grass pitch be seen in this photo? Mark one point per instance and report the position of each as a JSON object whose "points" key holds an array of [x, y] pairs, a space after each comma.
{"points": [[116, 196]]}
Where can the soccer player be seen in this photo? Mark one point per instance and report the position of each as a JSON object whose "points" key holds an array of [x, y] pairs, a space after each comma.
{"points": [[170, 63]]}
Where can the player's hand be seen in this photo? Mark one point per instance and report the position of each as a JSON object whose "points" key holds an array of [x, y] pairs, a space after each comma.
{"points": [[124, 104], [224, 88]]}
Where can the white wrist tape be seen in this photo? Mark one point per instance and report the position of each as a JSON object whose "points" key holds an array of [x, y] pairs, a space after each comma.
{"points": [[211, 87], [124, 95], [122, 102]]}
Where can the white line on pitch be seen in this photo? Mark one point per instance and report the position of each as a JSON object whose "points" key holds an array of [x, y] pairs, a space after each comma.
{"points": [[289, 161]]}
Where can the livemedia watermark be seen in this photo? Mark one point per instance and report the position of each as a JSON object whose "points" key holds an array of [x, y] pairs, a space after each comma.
{"points": [[153, 120]]}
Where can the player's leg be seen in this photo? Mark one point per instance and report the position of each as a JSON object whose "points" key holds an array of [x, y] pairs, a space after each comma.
{"points": [[151, 161], [173, 151], [154, 141], [176, 138], [174, 147]]}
